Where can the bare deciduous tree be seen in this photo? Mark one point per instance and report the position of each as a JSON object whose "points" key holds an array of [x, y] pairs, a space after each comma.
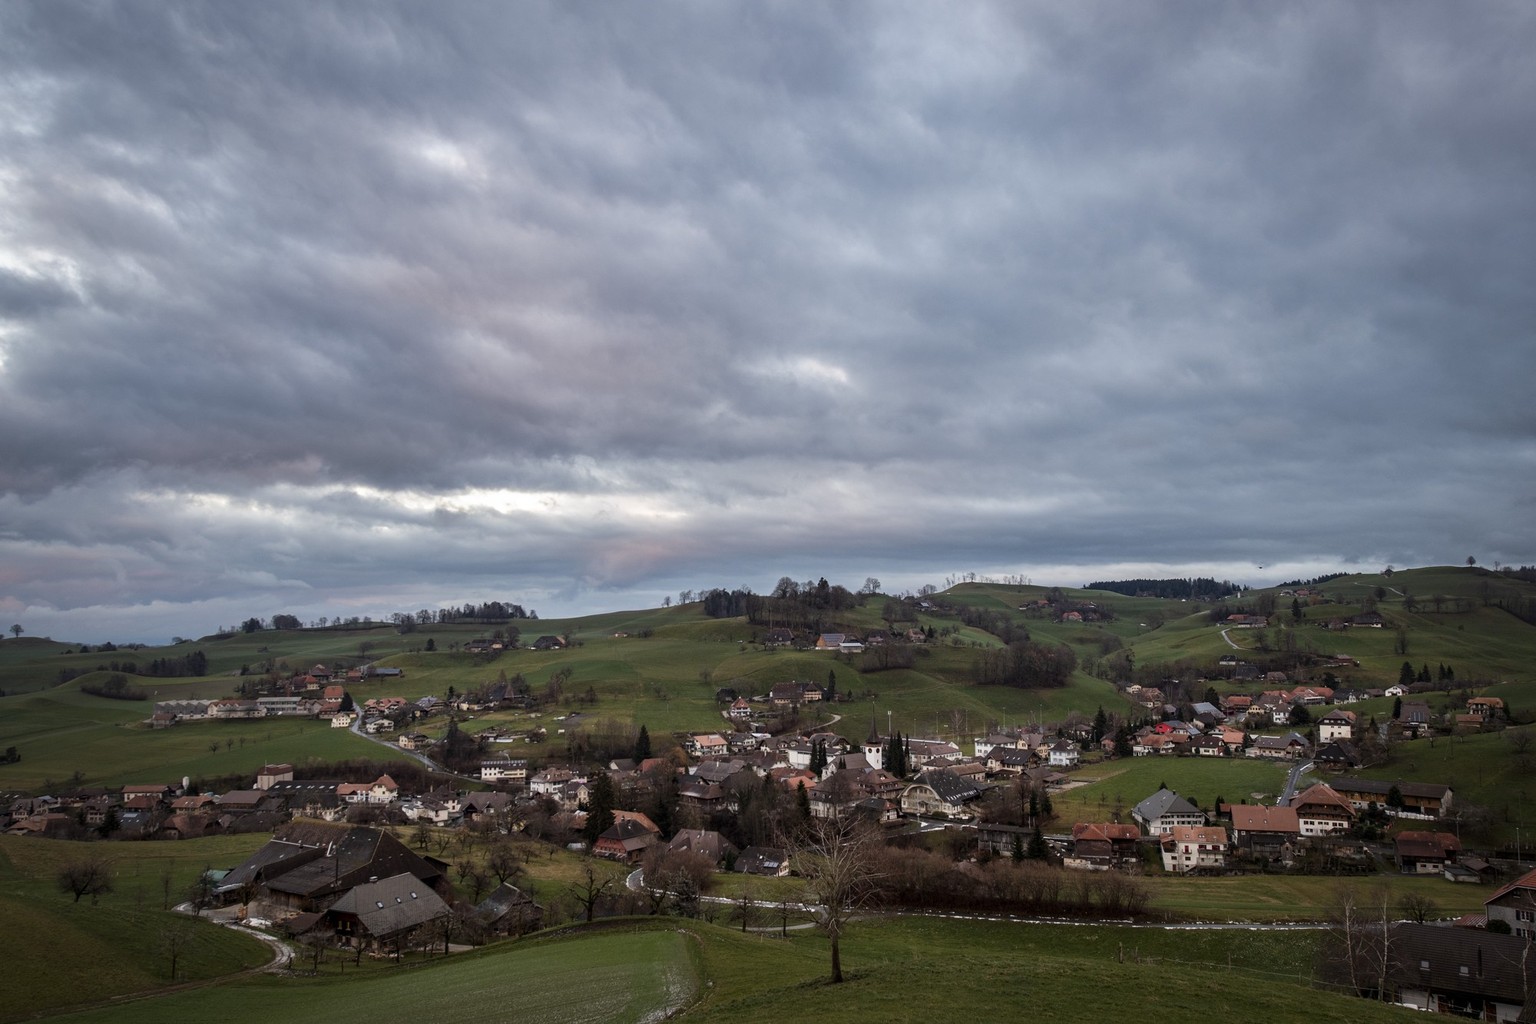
{"points": [[88, 876], [590, 888], [836, 858]]}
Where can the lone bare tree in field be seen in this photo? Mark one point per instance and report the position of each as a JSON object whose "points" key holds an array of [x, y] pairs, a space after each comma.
{"points": [[590, 888], [88, 876], [836, 859]]}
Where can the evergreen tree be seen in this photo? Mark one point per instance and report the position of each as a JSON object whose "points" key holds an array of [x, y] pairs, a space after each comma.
{"points": [[1037, 847], [643, 744], [1034, 805], [1100, 724], [1018, 848], [1405, 675], [1397, 708], [1123, 742], [818, 756], [802, 802], [600, 803], [831, 693], [1046, 810]]}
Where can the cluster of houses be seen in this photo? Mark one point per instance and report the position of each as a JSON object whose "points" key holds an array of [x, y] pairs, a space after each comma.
{"points": [[1189, 839], [1229, 728], [170, 811], [359, 887]]}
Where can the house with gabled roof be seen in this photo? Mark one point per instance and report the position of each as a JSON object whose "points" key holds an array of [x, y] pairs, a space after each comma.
{"points": [[938, 791], [312, 862], [384, 912], [706, 842], [763, 860], [1419, 799], [1100, 846], [627, 840], [1321, 810], [1265, 831], [1515, 905], [1466, 972], [1064, 754], [1424, 853], [1189, 848], [1165, 810], [1337, 724]]}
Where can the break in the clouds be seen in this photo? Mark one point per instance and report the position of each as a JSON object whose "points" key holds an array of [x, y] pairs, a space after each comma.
{"points": [[331, 309]]}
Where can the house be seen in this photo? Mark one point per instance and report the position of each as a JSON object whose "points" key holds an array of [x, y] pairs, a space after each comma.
{"points": [[1290, 747], [1338, 756], [1321, 810], [920, 752], [1164, 811], [1209, 745], [763, 860], [509, 911], [708, 843], [626, 840], [1009, 760], [1486, 708], [480, 806], [510, 771], [740, 709], [549, 643], [1415, 718], [1424, 853], [310, 798], [1261, 831], [706, 744], [1064, 754], [1515, 905], [708, 797], [382, 913], [830, 641], [380, 791], [1002, 840], [1337, 724], [940, 792], [1467, 972], [1189, 848], [1418, 799], [1101, 846], [273, 773], [311, 863]]}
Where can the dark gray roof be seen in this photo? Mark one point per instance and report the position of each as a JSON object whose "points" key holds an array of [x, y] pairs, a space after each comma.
{"points": [[1463, 960], [391, 906], [760, 860], [951, 788], [1164, 801]]}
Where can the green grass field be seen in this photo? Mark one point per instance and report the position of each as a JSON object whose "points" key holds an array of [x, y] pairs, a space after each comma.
{"points": [[62, 732], [63, 952], [628, 975], [909, 968]]}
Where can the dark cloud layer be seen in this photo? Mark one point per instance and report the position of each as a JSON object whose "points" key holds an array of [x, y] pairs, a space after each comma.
{"points": [[321, 308]]}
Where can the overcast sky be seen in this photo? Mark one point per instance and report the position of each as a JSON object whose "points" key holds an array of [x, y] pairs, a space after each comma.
{"points": [[344, 309]]}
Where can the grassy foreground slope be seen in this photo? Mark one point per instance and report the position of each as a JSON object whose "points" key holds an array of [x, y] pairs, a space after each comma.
{"points": [[907, 968], [61, 952]]}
